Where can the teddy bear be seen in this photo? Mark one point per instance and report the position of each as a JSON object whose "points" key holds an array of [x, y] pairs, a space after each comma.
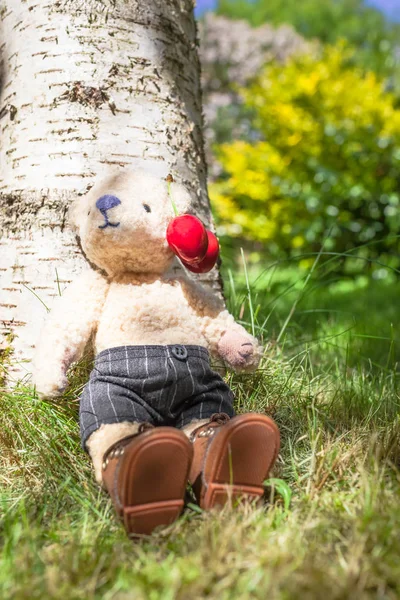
{"points": [[154, 415]]}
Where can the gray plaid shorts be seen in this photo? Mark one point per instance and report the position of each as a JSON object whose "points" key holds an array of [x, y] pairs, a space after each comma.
{"points": [[162, 385]]}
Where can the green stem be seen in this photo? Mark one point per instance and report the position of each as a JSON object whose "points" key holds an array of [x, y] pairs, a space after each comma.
{"points": [[172, 199]]}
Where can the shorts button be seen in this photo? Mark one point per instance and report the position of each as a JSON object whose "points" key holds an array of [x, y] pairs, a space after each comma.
{"points": [[179, 352]]}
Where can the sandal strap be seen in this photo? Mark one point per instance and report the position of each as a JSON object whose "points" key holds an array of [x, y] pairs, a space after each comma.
{"points": [[208, 429], [117, 449]]}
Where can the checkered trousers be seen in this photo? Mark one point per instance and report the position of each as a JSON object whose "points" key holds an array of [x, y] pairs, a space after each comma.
{"points": [[162, 385]]}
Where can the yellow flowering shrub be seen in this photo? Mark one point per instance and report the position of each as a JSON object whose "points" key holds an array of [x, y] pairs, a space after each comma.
{"points": [[322, 159]]}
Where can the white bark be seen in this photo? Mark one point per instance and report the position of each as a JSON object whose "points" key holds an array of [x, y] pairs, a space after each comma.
{"points": [[85, 86]]}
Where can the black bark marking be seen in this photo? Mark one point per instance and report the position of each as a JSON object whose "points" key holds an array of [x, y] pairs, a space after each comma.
{"points": [[87, 95]]}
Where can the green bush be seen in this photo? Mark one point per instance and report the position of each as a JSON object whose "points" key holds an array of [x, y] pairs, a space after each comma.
{"points": [[322, 161], [362, 26]]}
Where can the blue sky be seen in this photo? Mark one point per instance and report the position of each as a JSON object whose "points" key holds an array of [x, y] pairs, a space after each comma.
{"points": [[203, 5], [390, 7]]}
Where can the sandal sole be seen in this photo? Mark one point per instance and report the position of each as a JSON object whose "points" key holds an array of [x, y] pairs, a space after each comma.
{"points": [[239, 459], [151, 481]]}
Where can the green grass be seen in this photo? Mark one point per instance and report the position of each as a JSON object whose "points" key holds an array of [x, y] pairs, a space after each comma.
{"points": [[331, 383]]}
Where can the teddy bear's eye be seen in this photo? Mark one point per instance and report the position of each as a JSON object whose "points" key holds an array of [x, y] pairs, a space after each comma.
{"points": [[146, 207]]}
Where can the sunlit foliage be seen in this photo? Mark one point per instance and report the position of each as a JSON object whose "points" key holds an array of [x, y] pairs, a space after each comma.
{"points": [[321, 163], [362, 26]]}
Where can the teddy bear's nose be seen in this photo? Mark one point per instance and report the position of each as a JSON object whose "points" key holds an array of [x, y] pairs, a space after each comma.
{"points": [[106, 202]]}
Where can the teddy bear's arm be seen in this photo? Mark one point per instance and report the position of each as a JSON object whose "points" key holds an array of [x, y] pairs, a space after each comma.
{"points": [[228, 339], [66, 332]]}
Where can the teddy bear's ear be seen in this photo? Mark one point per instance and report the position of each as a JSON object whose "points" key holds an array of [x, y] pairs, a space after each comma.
{"points": [[182, 198]]}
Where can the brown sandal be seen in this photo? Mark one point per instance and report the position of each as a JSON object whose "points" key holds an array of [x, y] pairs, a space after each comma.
{"points": [[146, 475], [232, 458]]}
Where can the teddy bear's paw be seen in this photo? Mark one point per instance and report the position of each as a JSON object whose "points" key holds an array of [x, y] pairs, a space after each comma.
{"points": [[241, 352], [50, 388]]}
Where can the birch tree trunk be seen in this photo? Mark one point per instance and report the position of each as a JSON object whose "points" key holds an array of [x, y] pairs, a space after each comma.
{"points": [[85, 86]]}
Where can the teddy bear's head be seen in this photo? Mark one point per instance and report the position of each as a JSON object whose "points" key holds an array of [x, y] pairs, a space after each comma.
{"points": [[122, 222]]}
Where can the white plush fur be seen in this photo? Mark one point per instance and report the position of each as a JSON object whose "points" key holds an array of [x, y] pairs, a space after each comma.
{"points": [[193, 425], [134, 302], [102, 439]]}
